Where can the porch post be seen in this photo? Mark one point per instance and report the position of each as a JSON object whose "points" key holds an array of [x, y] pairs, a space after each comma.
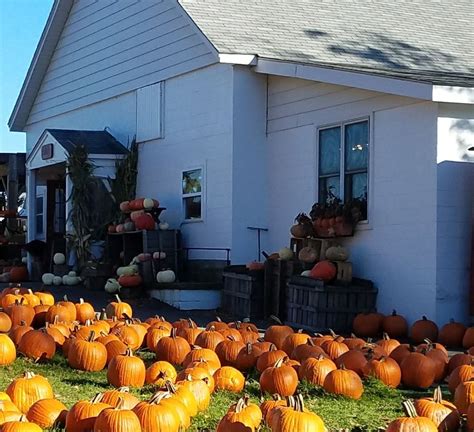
{"points": [[69, 227], [31, 209]]}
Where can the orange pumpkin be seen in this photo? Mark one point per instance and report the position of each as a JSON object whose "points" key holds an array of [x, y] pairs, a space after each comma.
{"points": [[324, 270]]}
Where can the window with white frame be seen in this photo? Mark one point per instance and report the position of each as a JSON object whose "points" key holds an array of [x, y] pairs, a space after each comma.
{"points": [[192, 190], [343, 163]]}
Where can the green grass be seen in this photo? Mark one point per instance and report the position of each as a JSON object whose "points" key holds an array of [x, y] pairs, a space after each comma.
{"points": [[378, 406]]}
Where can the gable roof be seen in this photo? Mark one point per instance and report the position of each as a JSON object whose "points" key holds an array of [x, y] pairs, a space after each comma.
{"points": [[430, 41], [96, 142]]}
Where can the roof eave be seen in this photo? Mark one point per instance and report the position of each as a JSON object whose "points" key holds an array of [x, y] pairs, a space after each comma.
{"points": [[39, 64], [367, 81]]}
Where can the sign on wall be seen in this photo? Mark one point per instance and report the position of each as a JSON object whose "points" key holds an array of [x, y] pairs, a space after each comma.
{"points": [[47, 151]]}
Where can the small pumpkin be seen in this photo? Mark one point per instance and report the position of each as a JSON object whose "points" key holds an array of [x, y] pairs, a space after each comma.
{"points": [[118, 308], [47, 413], [279, 379], [412, 422], [452, 334], [112, 286], [87, 355], [424, 329], [315, 370], [395, 325], [173, 348], [83, 414], [418, 371], [118, 419], [130, 281], [308, 255], [7, 350], [230, 379], [145, 222], [277, 333], [37, 345], [344, 382], [286, 254], [126, 370], [367, 324], [385, 369], [59, 258]]}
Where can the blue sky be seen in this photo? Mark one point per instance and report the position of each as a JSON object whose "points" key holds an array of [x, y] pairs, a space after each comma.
{"points": [[21, 24]]}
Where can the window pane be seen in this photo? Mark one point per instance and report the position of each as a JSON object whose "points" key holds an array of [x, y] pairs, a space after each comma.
{"points": [[329, 151], [192, 181], [192, 207], [39, 205], [329, 188], [356, 188], [357, 145]]}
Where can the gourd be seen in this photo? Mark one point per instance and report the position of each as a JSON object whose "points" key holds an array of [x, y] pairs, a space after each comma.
{"points": [[130, 280], [143, 257], [337, 253], [119, 228], [125, 206], [129, 226], [159, 255], [127, 270], [306, 273], [112, 286], [135, 214], [71, 280], [72, 274], [164, 226], [166, 276], [57, 280], [59, 258], [308, 255], [148, 203], [47, 278], [285, 254]]}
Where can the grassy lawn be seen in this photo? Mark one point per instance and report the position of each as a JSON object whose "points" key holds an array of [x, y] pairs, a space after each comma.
{"points": [[377, 407]]}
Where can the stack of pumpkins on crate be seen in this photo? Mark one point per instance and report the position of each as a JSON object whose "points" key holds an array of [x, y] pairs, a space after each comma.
{"points": [[321, 259], [136, 216]]}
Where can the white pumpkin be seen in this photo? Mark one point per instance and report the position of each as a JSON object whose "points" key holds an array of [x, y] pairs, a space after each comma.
{"points": [[306, 273], [148, 203], [72, 274], [285, 254], [65, 279], [159, 255], [112, 286], [47, 278], [24, 260], [72, 280], [57, 280], [164, 226], [337, 253], [127, 270], [165, 276], [59, 258]]}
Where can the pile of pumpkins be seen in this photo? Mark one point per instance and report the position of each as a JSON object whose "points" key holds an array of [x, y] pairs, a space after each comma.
{"points": [[71, 278], [136, 216], [191, 363]]}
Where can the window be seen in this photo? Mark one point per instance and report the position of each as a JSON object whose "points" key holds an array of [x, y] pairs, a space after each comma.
{"points": [[343, 163], [150, 112], [192, 190], [39, 215]]}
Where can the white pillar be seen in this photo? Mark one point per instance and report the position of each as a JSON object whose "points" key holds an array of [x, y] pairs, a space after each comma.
{"points": [[30, 208]]}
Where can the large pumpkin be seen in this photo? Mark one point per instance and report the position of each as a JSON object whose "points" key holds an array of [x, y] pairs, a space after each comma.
{"points": [[82, 415], [47, 412], [28, 389], [279, 379], [126, 370], [324, 270], [412, 422], [344, 382], [7, 350], [424, 329]]}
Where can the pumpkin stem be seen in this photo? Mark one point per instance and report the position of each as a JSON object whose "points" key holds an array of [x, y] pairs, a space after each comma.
{"points": [[97, 398], [249, 348], [118, 298], [438, 395], [124, 389], [272, 347], [424, 318], [173, 332], [410, 409], [279, 362], [91, 337], [299, 403], [394, 313], [310, 342], [218, 319], [129, 352], [65, 298], [385, 336], [120, 404], [81, 301], [276, 319], [103, 314], [332, 333], [28, 375]]}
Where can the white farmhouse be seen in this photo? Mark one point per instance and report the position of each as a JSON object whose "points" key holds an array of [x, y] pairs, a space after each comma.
{"points": [[268, 103]]}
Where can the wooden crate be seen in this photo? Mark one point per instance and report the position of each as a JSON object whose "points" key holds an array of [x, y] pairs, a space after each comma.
{"points": [[242, 296], [277, 274], [344, 271], [316, 306], [319, 245]]}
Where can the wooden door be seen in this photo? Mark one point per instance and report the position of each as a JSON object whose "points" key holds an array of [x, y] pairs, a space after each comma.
{"points": [[56, 216]]}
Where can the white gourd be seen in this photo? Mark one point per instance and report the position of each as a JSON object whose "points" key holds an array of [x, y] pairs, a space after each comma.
{"points": [[306, 273], [47, 278], [127, 270], [59, 258], [164, 226], [148, 204], [285, 254], [65, 279], [166, 276], [112, 286], [57, 280], [72, 274]]}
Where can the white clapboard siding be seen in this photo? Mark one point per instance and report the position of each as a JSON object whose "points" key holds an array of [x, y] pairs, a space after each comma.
{"points": [[149, 112], [110, 47]]}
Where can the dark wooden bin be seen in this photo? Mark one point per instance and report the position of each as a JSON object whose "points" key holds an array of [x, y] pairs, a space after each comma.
{"points": [[314, 305], [242, 296], [277, 274]]}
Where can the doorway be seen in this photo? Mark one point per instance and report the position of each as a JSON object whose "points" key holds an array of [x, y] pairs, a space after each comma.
{"points": [[56, 216]]}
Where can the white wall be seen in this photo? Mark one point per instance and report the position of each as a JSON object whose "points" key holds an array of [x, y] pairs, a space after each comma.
{"points": [[110, 47], [198, 132], [455, 209], [249, 180], [397, 250]]}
